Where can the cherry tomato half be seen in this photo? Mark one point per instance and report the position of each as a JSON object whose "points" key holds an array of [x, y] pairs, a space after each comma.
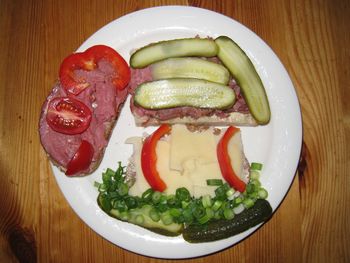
{"points": [[88, 61], [81, 159], [67, 115]]}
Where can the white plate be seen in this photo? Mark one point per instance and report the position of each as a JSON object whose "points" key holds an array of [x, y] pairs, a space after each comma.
{"points": [[276, 145]]}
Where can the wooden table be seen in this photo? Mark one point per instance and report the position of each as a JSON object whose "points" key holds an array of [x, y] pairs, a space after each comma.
{"points": [[312, 39]]}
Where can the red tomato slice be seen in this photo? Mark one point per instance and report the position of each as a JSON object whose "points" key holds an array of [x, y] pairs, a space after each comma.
{"points": [[67, 115], [81, 159], [88, 61], [225, 161], [149, 158]]}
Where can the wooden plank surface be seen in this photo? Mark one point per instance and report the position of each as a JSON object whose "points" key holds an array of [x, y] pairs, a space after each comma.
{"points": [[312, 39]]}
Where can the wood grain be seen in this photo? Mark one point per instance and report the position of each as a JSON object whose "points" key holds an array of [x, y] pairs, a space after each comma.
{"points": [[311, 38]]}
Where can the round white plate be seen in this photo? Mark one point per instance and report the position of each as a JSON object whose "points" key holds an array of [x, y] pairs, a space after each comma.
{"points": [[276, 145]]}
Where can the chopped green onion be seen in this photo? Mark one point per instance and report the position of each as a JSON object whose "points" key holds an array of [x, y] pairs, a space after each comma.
{"points": [[180, 219], [105, 202], [180, 207], [254, 195], [256, 183], [229, 214], [238, 200], [225, 205], [154, 215], [204, 219], [173, 201], [120, 205], [248, 203], [187, 214], [206, 201], [217, 204], [170, 197], [163, 199], [214, 182], [217, 214], [210, 212], [110, 172], [220, 192], [123, 189], [198, 212], [112, 186], [254, 175], [175, 212], [107, 176], [183, 194], [131, 202], [113, 195], [119, 173], [184, 204], [102, 188], [230, 193], [166, 218], [147, 195], [250, 188], [156, 197], [262, 193], [162, 207], [256, 166]]}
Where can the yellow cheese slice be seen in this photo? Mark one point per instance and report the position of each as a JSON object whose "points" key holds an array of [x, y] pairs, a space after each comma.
{"points": [[235, 151], [172, 178], [186, 145], [199, 176]]}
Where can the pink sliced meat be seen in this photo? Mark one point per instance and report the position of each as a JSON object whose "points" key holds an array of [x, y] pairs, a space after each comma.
{"points": [[105, 103]]}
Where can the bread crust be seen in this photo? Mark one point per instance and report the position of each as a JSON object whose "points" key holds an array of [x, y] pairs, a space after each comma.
{"points": [[234, 118]]}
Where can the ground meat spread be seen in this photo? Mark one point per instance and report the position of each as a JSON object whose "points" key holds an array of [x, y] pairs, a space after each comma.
{"points": [[103, 100]]}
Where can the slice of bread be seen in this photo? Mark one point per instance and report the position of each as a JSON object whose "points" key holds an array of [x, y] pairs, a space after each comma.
{"points": [[234, 118]]}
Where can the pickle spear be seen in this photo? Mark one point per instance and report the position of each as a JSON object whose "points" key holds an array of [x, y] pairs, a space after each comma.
{"points": [[240, 66], [186, 47], [179, 92], [190, 67]]}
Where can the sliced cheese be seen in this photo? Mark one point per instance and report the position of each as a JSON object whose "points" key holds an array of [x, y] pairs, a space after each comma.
{"points": [[186, 145], [172, 178], [140, 184], [188, 159], [235, 151], [199, 176]]}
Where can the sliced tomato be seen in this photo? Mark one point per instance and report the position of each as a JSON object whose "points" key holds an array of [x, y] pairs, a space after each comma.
{"points": [[88, 61], [67, 115], [225, 161], [81, 159], [149, 158]]}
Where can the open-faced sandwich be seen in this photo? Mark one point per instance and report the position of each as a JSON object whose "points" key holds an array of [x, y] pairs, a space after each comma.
{"points": [[196, 81], [194, 182], [79, 114]]}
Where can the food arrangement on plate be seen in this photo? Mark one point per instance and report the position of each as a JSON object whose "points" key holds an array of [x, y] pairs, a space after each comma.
{"points": [[190, 176]]}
